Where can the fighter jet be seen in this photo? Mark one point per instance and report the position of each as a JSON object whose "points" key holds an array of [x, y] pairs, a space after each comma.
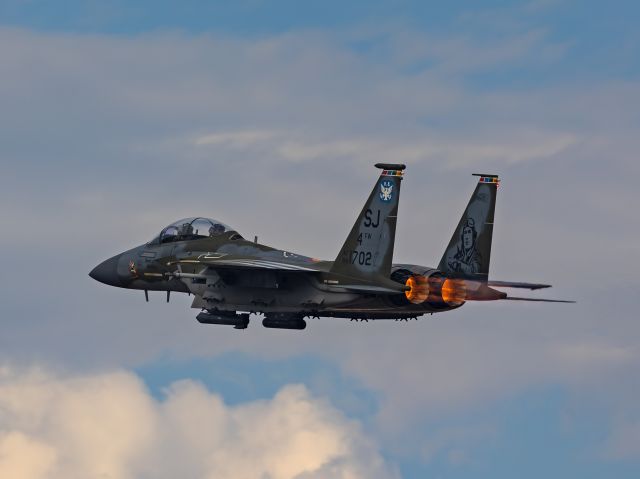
{"points": [[231, 277]]}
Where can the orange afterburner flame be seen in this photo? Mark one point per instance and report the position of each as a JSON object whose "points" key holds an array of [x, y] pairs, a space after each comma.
{"points": [[454, 292], [419, 289]]}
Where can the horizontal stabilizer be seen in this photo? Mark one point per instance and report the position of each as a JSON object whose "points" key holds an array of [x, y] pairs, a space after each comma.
{"points": [[513, 298], [512, 284]]}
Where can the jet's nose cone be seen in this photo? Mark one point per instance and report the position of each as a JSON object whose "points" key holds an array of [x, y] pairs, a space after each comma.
{"points": [[107, 272]]}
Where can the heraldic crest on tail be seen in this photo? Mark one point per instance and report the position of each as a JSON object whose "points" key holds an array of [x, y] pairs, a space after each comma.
{"points": [[386, 190]]}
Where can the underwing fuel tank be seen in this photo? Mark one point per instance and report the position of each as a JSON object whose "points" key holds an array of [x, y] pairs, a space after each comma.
{"points": [[238, 321], [284, 321]]}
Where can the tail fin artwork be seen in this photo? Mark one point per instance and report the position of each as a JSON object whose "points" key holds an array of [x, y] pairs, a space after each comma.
{"points": [[367, 253], [469, 250]]}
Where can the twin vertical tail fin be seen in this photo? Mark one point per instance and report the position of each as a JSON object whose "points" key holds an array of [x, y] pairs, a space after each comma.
{"points": [[469, 250], [365, 258], [367, 253]]}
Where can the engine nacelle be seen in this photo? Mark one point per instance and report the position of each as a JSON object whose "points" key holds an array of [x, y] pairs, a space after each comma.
{"points": [[428, 285]]}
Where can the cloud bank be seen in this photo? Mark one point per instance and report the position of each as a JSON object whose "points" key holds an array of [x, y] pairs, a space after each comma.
{"points": [[108, 426]]}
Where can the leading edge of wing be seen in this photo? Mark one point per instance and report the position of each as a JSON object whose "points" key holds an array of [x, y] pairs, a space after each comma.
{"points": [[248, 264]]}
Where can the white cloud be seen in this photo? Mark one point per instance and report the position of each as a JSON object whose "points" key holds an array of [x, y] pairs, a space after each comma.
{"points": [[108, 425], [22, 457], [453, 152], [235, 139]]}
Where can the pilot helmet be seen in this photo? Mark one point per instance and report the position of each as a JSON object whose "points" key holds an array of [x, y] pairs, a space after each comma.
{"points": [[216, 229]]}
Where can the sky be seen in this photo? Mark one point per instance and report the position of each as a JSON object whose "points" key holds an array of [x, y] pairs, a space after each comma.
{"points": [[117, 118]]}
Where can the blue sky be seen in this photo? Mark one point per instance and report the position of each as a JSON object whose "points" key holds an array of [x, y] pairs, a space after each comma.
{"points": [[119, 117]]}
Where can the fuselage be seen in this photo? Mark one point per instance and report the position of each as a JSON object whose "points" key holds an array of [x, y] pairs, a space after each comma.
{"points": [[157, 266], [231, 277]]}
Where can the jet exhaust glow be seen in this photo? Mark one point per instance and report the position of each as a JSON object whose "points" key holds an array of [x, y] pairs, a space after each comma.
{"points": [[419, 289], [454, 292]]}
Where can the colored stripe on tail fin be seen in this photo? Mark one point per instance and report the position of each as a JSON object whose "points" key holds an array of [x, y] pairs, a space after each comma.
{"points": [[469, 251]]}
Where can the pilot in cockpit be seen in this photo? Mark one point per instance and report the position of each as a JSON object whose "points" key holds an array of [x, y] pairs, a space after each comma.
{"points": [[186, 229], [216, 229], [169, 235]]}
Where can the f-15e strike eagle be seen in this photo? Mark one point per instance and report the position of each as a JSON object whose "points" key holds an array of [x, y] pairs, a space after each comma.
{"points": [[231, 278]]}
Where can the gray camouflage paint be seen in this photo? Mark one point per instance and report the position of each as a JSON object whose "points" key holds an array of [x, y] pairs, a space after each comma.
{"points": [[228, 274]]}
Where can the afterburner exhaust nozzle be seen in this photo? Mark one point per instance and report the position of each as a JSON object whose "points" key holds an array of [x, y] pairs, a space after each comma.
{"points": [[418, 291], [453, 292]]}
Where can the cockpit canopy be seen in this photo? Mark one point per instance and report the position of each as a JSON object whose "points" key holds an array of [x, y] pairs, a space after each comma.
{"points": [[192, 228]]}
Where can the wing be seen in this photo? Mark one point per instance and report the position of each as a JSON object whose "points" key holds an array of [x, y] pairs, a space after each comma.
{"points": [[245, 263], [217, 262]]}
